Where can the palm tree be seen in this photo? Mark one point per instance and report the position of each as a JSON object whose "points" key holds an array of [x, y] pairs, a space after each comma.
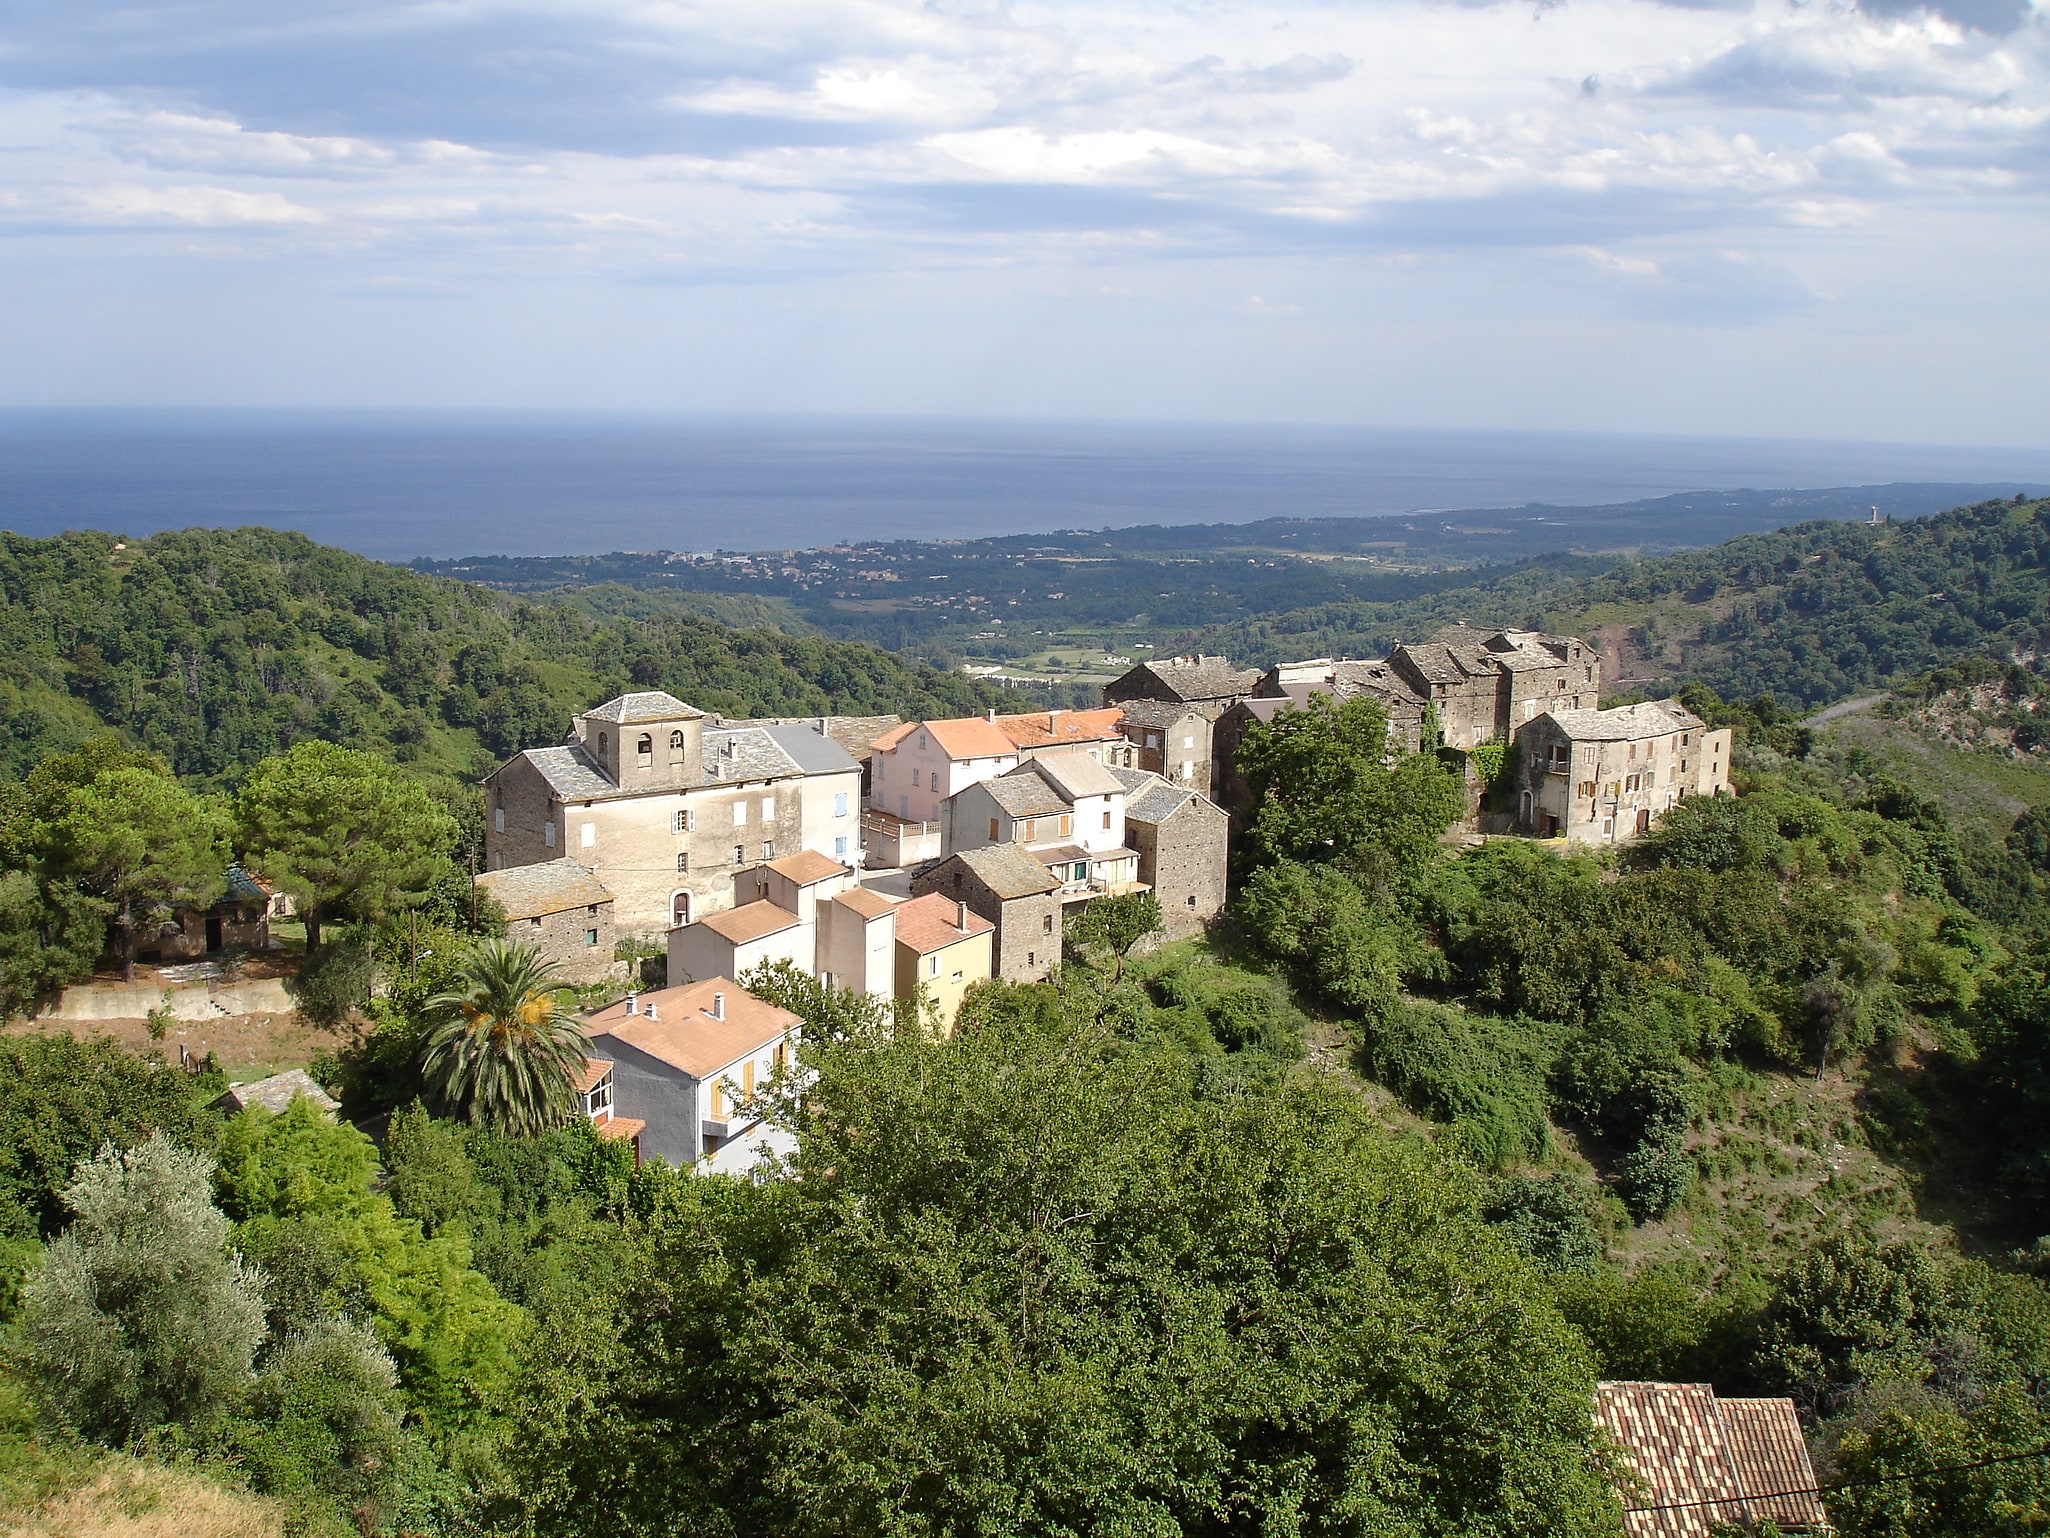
{"points": [[503, 1050]]}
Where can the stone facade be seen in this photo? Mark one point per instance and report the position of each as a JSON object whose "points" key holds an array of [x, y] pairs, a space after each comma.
{"points": [[663, 809], [1491, 684], [562, 911], [1015, 893], [1604, 776], [1171, 706], [1183, 841]]}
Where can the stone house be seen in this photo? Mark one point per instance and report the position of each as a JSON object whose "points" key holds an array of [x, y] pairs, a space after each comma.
{"points": [[943, 949], [687, 1063], [1066, 810], [663, 809], [1487, 684], [562, 911], [1016, 893], [1206, 686], [237, 920], [1183, 842], [1604, 776]]}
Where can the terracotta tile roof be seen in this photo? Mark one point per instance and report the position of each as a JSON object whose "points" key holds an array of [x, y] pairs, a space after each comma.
{"points": [[682, 1032], [962, 737], [625, 1128], [1679, 1440], [867, 904], [808, 867], [932, 923], [1044, 729], [1771, 1454], [595, 1069], [552, 886], [750, 921]]}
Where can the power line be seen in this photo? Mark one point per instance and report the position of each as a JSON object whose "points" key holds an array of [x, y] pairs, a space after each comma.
{"points": [[1846, 1484]]}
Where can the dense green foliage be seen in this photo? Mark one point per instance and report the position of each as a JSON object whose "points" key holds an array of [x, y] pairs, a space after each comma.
{"points": [[217, 648], [505, 1048]]}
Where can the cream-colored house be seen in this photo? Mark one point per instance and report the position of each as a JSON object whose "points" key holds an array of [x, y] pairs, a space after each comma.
{"points": [[664, 809], [1065, 809], [775, 917], [943, 949], [1604, 776]]}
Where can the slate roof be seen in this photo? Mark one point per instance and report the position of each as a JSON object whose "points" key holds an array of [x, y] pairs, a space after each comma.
{"points": [[276, 1093], [1627, 723], [745, 753], [750, 921], [1007, 871], [812, 750], [647, 705], [1192, 678], [683, 1033], [1437, 663], [808, 867], [1684, 1446], [1266, 707], [571, 773], [247, 886], [1050, 728], [1376, 678], [1159, 803], [1072, 775], [1155, 713], [1025, 796], [551, 886], [932, 922]]}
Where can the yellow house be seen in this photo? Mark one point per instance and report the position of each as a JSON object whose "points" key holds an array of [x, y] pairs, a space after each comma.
{"points": [[941, 947]]}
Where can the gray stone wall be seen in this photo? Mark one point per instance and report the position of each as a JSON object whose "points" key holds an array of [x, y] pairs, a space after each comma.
{"points": [[1184, 861], [1028, 929], [560, 938]]}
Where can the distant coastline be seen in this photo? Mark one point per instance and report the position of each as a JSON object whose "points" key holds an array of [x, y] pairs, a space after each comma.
{"points": [[397, 488]]}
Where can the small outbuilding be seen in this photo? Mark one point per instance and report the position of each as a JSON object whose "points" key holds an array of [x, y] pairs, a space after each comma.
{"points": [[562, 910], [276, 1094]]}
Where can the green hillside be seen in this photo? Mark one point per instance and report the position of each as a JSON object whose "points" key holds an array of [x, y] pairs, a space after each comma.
{"points": [[215, 648]]}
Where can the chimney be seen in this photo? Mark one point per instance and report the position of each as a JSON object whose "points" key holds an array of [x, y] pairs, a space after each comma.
{"points": [[1052, 720], [718, 1006], [992, 715], [652, 1015], [633, 1003]]}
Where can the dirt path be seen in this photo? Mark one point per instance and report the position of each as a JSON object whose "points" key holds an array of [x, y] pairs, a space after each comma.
{"points": [[1843, 708]]}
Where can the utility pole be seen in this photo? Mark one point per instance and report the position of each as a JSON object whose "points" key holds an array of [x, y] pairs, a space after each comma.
{"points": [[473, 887]]}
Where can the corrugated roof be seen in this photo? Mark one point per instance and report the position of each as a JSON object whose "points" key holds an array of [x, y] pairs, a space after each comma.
{"points": [[551, 886], [932, 923], [683, 1033], [1046, 729], [812, 750], [750, 921], [1072, 774], [647, 705], [808, 867], [1627, 723], [1007, 870]]}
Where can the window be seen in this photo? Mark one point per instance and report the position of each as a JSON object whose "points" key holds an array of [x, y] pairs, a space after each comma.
{"points": [[922, 743], [534, 923], [840, 847], [1106, 814], [783, 1052], [589, 836], [747, 1078], [740, 814], [993, 825], [768, 809], [1587, 789], [1608, 827], [1046, 924], [768, 849], [1153, 739], [590, 937], [645, 749], [591, 910], [839, 803], [1066, 826], [1032, 958], [932, 966], [679, 907], [686, 821], [1192, 899], [548, 834], [1685, 738], [1027, 830], [740, 854], [955, 978], [1188, 742], [604, 744], [718, 1100], [683, 862], [676, 744], [498, 819]]}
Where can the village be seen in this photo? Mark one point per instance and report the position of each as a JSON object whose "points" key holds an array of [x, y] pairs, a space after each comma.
{"points": [[909, 860]]}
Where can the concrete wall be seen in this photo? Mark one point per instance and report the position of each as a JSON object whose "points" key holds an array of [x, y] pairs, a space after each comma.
{"points": [[859, 953], [133, 1001], [665, 1098]]}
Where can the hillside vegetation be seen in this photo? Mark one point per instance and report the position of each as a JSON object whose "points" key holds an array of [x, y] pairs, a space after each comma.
{"points": [[216, 648]]}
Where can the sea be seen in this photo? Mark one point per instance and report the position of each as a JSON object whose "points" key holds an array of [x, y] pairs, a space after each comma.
{"points": [[445, 485]]}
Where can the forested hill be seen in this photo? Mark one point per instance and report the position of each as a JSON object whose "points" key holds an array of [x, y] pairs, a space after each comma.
{"points": [[1810, 613], [216, 648]]}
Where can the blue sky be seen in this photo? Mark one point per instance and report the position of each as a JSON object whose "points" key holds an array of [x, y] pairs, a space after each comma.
{"points": [[1809, 219]]}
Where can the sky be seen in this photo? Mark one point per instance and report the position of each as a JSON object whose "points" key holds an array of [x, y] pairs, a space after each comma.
{"points": [[1745, 217]]}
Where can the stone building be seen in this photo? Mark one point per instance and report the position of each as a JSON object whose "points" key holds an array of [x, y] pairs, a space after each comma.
{"points": [[1016, 893], [663, 808], [559, 909], [1171, 704], [1183, 842], [1604, 776], [1487, 684], [1066, 810]]}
